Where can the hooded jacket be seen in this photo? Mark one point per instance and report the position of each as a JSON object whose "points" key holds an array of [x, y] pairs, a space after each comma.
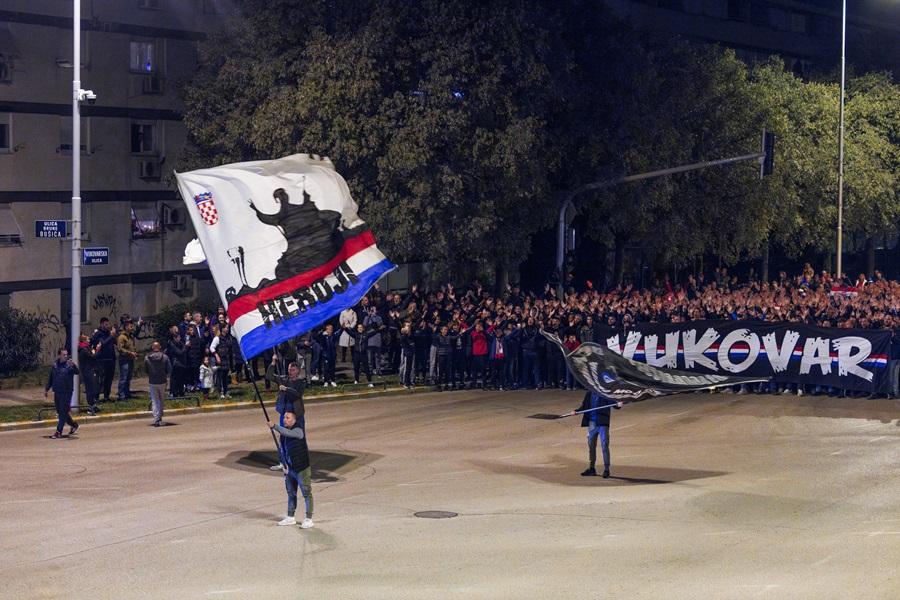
{"points": [[158, 367]]}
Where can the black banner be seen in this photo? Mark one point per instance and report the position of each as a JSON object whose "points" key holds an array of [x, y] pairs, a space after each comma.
{"points": [[850, 359]]}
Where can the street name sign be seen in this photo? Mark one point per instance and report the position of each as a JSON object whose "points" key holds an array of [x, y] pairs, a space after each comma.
{"points": [[95, 256], [50, 229]]}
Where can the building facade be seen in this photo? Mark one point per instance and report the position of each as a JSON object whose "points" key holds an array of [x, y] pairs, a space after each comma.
{"points": [[135, 56]]}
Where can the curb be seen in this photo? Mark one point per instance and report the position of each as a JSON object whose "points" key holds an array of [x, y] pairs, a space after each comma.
{"points": [[144, 414]]}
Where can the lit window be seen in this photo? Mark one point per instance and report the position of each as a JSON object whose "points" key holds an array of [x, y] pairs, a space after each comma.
{"points": [[143, 138], [145, 221], [143, 57]]}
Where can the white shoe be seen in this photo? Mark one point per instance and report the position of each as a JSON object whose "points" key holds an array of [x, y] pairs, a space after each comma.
{"points": [[306, 524], [314, 378], [355, 382], [278, 467], [333, 384], [371, 385], [799, 392], [221, 396], [287, 521]]}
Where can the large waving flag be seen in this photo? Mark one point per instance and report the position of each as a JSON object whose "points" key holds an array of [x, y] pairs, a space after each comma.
{"points": [[615, 377], [284, 242]]}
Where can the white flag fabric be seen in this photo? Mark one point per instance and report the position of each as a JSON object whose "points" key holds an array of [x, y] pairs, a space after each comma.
{"points": [[284, 243]]}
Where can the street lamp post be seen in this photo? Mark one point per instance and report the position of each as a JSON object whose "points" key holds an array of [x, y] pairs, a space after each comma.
{"points": [[840, 218], [77, 95]]}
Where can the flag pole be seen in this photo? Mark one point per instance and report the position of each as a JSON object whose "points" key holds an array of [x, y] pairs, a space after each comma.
{"points": [[263, 406]]}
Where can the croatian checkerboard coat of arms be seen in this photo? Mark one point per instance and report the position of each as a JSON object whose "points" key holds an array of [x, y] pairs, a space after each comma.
{"points": [[207, 208]]}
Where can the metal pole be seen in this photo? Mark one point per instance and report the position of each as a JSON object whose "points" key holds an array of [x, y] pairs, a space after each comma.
{"points": [[840, 220], [75, 320], [568, 200]]}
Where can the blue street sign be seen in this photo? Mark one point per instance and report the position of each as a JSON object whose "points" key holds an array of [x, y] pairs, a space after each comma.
{"points": [[95, 256], [50, 229]]}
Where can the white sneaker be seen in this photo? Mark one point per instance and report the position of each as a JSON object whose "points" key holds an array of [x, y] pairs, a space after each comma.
{"points": [[355, 382], [333, 384], [278, 467], [306, 524], [799, 392], [221, 396], [371, 385], [289, 521], [314, 378]]}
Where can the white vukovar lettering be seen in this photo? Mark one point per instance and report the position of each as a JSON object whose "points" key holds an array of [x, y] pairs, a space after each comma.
{"points": [[847, 362], [738, 335], [631, 344], [693, 350], [779, 358], [651, 350], [816, 351]]}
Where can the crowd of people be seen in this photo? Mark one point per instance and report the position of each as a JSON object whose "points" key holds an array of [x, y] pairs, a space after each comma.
{"points": [[452, 338]]}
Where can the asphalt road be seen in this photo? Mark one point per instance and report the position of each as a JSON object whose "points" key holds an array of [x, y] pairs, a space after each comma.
{"points": [[712, 496]]}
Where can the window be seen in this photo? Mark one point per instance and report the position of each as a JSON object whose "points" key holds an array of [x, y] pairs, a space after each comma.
{"points": [[10, 234], [5, 133], [5, 69], [145, 221], [143, 57], [143, 138], [65, 135]]}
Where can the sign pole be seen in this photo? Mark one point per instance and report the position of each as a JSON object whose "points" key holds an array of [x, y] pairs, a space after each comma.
{"points": [[75, 320]]}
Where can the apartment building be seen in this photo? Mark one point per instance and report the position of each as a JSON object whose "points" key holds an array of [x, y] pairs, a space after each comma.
{"points": [[135, 56]]}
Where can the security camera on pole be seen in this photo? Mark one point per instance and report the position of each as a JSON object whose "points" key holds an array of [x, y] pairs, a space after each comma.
{"points": [[78, 95]]}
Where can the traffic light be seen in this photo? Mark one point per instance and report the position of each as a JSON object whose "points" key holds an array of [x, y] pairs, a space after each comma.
{"points": [[768, 150]]}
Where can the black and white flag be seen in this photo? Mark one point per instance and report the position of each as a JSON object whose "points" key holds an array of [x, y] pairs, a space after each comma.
{"points": [[613, 376]]}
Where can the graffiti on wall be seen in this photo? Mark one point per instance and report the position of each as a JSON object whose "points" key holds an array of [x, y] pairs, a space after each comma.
{"points": [[106, 305], [53, 333]]}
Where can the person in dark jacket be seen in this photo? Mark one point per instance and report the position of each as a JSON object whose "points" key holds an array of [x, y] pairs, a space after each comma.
{"points": [[328, 342], [361, 357], [159, 368], [443, 343], [193, 344], [597, 422], [88, 365], [177, 353], [530, 373], [297, 472], [407, 352], [62, 381], [105, 336], [422, 343]]}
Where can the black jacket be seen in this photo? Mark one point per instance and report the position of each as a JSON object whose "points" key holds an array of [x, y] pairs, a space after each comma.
{"points": [[294, 451], [61, 378], [602, 414]]}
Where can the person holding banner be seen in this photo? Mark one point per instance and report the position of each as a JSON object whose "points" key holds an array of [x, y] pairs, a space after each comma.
{"points": [[597, 422], [297, 472]]}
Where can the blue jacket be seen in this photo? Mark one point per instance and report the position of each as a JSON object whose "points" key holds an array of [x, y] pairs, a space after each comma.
{"points": [[61, 379]]}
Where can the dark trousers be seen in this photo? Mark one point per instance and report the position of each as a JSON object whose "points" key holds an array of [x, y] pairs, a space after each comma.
{"points": [[91, 386], [374, 356], [106, 369], [408, 368], [176, 381], [328, 367], [62, 401], [422, 365], [479, 363], [360, 362], [510, 374], [531, 369], [444, 367], [498, 372]]}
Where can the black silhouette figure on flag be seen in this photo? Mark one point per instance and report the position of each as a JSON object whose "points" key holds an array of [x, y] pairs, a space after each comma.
{"points": [[312, 235]]}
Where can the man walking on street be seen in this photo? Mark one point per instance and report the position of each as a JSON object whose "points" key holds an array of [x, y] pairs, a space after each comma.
{"points": [[62, 382], [158, 367]]}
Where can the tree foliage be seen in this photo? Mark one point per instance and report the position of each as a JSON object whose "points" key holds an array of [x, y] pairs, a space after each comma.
{"points": [[20, 341], [459, 124]]}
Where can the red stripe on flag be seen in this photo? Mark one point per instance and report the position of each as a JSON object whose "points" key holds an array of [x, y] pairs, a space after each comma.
{"points": [[244, 304]]}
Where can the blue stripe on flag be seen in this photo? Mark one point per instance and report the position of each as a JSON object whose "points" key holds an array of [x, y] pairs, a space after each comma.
{"points": [[262, 338]]}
